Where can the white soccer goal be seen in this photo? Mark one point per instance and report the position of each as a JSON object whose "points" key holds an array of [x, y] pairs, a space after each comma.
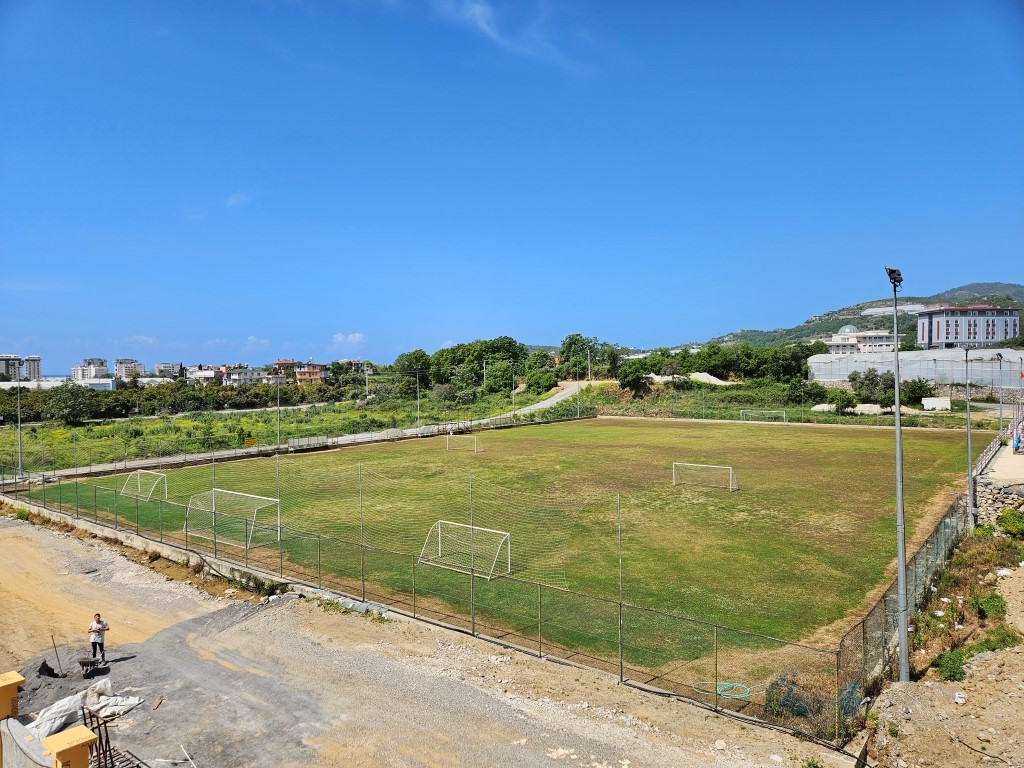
{"points": [[752, 414], [142, 484], [704, 474], [234, 526], [465, 548], [463, 443]]}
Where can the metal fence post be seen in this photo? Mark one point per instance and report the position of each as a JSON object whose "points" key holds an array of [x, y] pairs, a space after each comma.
{"points": [[413, 586], [160, 518], [716, 666], [115, 510], [280, 549], [319, 571], [622, 676], [540, 619], [76, 493], [838, 654], [136, 515]]}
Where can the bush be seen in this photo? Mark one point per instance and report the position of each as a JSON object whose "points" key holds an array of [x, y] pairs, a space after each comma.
{"points": [[1012, 522], [991, 606], [951, 665], [996, 639]]}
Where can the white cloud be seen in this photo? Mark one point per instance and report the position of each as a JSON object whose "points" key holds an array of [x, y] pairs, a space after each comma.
{"points": [[236, 199], [149, 341], [253, 343], [345, 341], [531, 40]]}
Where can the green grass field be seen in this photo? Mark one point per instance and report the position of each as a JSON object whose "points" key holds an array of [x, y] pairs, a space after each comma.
{"points": [[709, 576], [808, 534]]}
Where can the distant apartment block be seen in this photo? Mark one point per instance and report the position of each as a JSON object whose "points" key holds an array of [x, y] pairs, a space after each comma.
{"points": [[311, 372], [236, 377], [850, 341], [124, 367], [33, 367], [284, 365], [90, 368], [976, 325], [199, 374], [9, 366], [168, 370]]}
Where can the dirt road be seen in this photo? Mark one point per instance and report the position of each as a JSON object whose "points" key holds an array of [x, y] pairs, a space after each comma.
{"points": [[288, 684]]}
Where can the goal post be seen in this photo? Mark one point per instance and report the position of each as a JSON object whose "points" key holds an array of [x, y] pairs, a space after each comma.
{"points": [[712, 475], [142, 484], [470, 549], [463, 443], [238, 512], [758, 414]]}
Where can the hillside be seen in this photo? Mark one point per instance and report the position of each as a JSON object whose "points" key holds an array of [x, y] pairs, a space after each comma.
{"points": [[822, 326]]}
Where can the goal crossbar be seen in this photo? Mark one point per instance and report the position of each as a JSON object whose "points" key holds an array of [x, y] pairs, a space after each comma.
{"points": [[455, 442], [698, 474], [143, 483], [760, 414], [238, 503], [455, 546]]}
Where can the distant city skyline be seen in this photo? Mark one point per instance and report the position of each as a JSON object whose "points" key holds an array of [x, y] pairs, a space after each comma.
{"points": [[242, 181]]}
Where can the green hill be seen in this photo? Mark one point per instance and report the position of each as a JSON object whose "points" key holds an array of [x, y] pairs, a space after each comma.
{"points": [[823, 326]]}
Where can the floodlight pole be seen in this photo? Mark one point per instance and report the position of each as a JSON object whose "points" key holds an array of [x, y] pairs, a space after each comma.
{"points": [[999, 356], [419, 424], [970, 457], [20, 460], [279, 415], [896, 278]]}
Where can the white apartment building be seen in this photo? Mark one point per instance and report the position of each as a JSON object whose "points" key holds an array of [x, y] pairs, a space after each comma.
{"points": [[977, 325], [850, 341], [124, 367], [168, 370], [33, 367], [90, 368], [200, 374], [235, 377]]}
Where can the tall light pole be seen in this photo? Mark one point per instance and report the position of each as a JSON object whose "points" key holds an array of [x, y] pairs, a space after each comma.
{"points": [[970, 458], [999, 357], [896, 278], [20, 462]]}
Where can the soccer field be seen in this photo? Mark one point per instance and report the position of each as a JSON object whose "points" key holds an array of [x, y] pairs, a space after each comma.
{"points": [[804, 539]]}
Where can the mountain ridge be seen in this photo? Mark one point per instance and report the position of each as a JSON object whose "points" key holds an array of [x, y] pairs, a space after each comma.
{"points": [[820, 326]]}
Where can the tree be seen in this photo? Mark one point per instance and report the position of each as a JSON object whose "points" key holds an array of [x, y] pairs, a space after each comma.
{"points": [[415, 365], [633, 376], [540, 381], [842, 400], [916, 390], [499, 377], [70, 403]]}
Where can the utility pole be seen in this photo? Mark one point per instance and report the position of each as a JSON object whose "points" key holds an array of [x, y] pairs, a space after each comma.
{"points": [[485, 373], [589, 377]]}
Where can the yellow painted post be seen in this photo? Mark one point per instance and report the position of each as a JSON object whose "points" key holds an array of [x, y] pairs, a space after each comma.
{"points": [[70, 748]]}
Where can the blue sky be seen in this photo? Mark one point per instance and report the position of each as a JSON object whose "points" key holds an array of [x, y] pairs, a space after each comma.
{"points": [[227, 181]]}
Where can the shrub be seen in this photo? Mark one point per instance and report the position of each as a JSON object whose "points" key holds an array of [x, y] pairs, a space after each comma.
{"points": [[996, 639], [991, 606], [1012, 522], [951, 665], [22, 515]]}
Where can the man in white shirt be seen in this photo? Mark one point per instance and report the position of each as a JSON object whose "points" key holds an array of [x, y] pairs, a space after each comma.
{"points": [[97, 632]]}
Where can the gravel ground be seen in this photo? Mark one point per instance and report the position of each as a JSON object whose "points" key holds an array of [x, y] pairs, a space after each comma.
{"points": [[287, 683]]}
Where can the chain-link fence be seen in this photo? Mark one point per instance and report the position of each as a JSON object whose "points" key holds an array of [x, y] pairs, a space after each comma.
{"points": [[497, 572]]}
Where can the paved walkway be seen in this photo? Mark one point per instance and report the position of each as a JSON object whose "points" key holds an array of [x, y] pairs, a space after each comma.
{"points": [[1006, 468]]}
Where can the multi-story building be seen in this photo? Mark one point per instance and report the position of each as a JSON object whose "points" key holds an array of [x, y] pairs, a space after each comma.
{"points": [[976, 325], [90, 368], [311, 372], [9, 366], [284, 365], [124, 367], [850, 341], [200, 374], [235, 377], [168, 370], [33, 367]]}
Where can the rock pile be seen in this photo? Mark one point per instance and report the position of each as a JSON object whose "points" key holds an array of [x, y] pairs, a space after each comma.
{"points": [[993, 499]]}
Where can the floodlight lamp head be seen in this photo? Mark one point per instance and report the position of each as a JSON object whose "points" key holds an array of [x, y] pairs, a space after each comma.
{"points": [[999, 356], [895, 277]]}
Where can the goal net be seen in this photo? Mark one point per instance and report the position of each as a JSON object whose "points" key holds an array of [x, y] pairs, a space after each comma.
{"points": [[463, 443], [704, 474], [230, 517], [143, 484], [762, 415], [468, 549]]}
